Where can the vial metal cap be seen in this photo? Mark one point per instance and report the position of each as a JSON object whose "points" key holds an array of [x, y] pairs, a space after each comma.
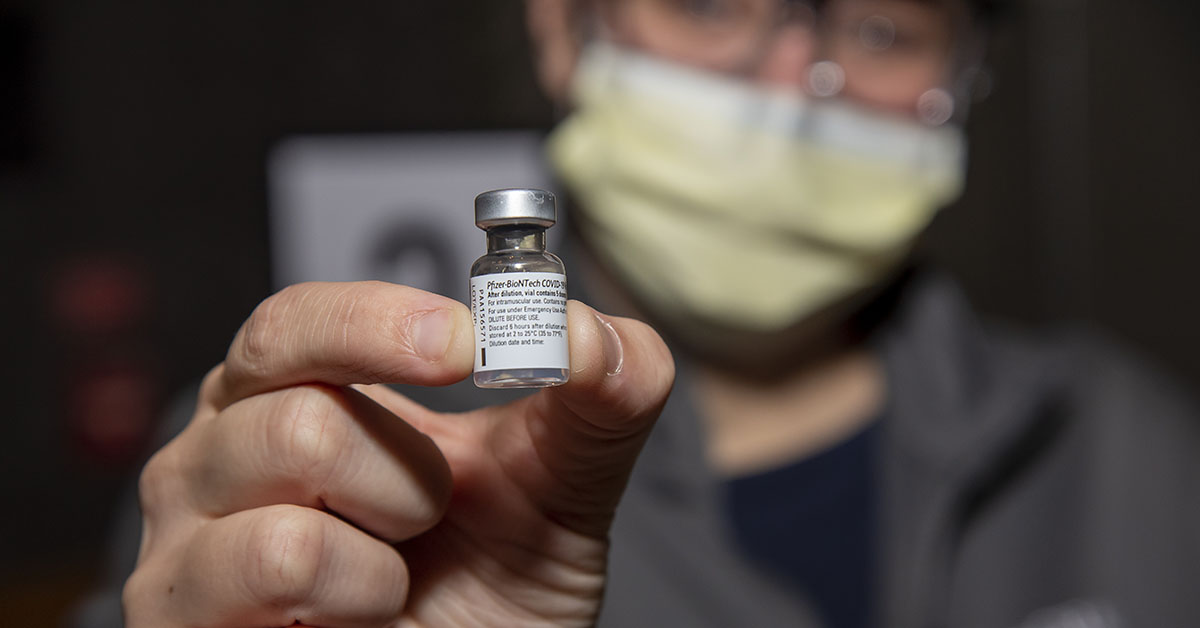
{"points": [[515, 206]]}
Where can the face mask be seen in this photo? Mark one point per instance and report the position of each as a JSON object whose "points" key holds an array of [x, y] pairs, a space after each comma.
{"points": [[720, 201]]}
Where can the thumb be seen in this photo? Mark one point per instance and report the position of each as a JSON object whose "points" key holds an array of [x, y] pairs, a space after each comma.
{"points": [[588, 432]]}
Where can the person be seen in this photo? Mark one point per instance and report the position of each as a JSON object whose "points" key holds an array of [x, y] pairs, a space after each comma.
{"points": [[846, 443]]}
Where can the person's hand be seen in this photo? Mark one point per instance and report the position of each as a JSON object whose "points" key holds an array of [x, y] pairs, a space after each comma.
{"points": [[300, 494]]}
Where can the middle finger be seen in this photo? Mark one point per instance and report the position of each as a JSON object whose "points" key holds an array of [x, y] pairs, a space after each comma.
{"points": [[321, 447]]}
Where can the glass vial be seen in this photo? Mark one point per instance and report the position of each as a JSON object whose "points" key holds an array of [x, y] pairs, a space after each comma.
{"points": [[518, 294]]}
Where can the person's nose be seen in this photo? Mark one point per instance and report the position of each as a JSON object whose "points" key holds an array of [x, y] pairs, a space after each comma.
{"points": [[788, 57]]}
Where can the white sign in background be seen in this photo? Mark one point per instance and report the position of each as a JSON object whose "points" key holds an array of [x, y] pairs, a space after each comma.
{"points": [[396, 208]]}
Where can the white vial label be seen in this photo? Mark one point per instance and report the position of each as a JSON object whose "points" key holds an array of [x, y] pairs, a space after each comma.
{"points": [[520, 321]]}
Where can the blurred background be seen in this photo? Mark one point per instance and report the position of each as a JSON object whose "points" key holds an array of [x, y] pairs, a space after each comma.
{"points": [[135, 136]]}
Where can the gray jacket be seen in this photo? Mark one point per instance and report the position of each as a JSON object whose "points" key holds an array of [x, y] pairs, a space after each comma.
{"points": [[1025, 482]]}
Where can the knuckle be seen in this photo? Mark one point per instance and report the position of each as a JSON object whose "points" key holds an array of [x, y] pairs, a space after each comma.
{"points": [[273, 322], [261, 330], [155, 481], [134, 596], [307, 434], [325, 318], [287, 554], [210, 386]]}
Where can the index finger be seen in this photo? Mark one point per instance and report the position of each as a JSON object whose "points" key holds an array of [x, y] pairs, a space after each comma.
{"points": [[345, 333]]}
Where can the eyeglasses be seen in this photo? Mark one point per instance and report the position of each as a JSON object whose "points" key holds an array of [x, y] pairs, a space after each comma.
{"points": [[896, 54]]}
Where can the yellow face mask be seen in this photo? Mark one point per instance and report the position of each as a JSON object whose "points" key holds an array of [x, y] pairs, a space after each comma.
{"points": [[729, 203]]}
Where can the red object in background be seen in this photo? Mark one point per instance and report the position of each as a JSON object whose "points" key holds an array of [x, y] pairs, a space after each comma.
{"points": [[99, 294], [112, 407], [100, 304]]}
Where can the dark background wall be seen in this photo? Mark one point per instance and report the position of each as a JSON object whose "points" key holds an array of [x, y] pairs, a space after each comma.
{"points": [[133, 139]]}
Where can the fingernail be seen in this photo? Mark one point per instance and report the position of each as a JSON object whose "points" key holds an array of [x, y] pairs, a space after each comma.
{"points": [[614, 353], [431, 334]]}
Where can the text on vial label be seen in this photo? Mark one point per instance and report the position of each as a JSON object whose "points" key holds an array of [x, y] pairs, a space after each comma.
{"points": [[520, 321]]}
